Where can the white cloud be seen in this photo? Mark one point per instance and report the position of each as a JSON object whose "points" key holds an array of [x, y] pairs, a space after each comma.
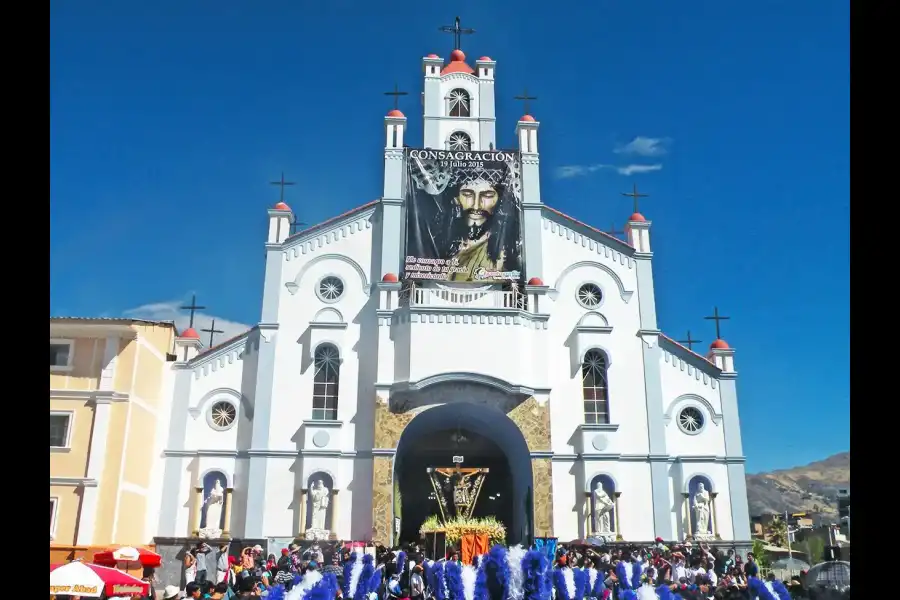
{"points": [[632, 169], [645, 146], [570, 171], [170, 311]]}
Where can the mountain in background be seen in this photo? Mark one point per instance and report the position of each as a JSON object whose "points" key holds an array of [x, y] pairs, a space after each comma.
{"points": [[812, 488]]}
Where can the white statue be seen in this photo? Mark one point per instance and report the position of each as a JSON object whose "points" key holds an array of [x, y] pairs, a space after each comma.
{"points": [[214, 503], [701, 510], [320, 500], [603, 506]]}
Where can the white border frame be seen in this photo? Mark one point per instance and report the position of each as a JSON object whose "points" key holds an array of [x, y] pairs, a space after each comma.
{"points": [[703, 416], [209, 413], [71, 428], [55, 519], [68, 366], [602, 295], [326, 300]]}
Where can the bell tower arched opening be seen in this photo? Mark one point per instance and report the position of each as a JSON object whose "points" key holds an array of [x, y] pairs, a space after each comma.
{"points": [[484, 437]]}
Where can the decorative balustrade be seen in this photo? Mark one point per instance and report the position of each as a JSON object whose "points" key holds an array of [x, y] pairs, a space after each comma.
{"points": [[449, 297]]}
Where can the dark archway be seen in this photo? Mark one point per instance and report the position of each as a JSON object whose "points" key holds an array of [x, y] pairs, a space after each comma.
{"points": [[485, 437]]}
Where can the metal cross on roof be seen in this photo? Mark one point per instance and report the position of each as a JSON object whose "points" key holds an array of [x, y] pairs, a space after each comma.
{"points": [[525, 98], [298, 226], [635, 195], [457, 32], [613, 231], [717, 318], [212, 331], [689, 342], [396, 94], [193, 308], [281, 183]]}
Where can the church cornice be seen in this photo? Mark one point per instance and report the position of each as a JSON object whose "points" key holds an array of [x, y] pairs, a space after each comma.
{"points": [[330, 230], [471, 316], [465, 377], [691, 363], [224, 354], [591, 233]]}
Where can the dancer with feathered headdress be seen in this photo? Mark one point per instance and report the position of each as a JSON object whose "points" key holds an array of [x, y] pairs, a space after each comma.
{"points": [[536, 576], [453, 579], [492, 581], [767, 590], [564, 580]]}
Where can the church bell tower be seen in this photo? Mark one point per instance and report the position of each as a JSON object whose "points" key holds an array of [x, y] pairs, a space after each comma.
{"points": [[458, 101]]}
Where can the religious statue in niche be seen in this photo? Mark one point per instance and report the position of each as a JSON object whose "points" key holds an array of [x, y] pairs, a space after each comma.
{"points": [[320, 498], [214, 504], [702, 505], [603, 506]]}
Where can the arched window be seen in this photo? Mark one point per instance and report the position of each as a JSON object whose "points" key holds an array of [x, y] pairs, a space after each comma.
{"points": [[595, 388], [459, 103], [459, 141], [325, 383]]}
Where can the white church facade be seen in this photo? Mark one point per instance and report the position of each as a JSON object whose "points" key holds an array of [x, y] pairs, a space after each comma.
{"points": [[322, 419]]}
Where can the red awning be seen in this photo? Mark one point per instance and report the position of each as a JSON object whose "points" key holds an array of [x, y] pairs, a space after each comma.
{"points": [[145, 557]]}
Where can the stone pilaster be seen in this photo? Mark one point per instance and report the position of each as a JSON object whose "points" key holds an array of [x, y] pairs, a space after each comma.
{"points": [[382, 498], [542, 480]]}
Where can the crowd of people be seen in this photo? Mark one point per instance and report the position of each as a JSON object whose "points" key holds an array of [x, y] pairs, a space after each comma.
{"points": [[683, 571]]}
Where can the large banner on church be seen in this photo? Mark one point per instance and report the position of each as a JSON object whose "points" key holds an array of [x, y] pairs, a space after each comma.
{"points": [[463, 216]]}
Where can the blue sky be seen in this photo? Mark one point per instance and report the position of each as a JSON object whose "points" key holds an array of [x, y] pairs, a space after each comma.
{"points": [[169, 118]]}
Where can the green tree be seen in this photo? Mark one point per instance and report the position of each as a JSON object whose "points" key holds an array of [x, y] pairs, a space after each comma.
{"points": [[778, 533], [814, 547], [759, 551]]}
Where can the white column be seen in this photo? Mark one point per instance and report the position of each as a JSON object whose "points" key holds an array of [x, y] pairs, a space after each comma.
{"points": [[110, 357], [712, 513], [302, 511], [87, 521], [226, 532], [196, 510], [335, 511], [688, 530], [618, 526]]}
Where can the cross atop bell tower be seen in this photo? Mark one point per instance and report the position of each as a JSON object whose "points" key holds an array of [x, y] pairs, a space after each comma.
{"points": [[459, 107]]}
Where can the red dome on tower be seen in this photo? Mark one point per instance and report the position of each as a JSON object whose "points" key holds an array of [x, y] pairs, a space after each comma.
{"points": [[396, 114], [637, 217], [390, 278], [457, 64], [535, 281], [719, 344], [190, 333]]}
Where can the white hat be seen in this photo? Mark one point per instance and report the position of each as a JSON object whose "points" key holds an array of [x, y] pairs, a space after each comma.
{"points": [[171, 591]]}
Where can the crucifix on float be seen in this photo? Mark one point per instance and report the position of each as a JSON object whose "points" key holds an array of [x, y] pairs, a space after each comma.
{"points": [[457, 488]]}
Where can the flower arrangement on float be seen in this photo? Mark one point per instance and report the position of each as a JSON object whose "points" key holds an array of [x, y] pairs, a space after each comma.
{"points": [[457, 527]]}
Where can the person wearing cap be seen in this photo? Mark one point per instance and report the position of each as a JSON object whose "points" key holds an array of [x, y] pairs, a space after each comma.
{"points": [[171, 592]]}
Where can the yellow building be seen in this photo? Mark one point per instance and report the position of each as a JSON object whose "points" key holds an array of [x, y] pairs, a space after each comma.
{"points": [[109, 385]]}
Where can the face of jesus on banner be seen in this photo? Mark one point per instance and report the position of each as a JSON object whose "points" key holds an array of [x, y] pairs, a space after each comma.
{"points": [[478, 200]]}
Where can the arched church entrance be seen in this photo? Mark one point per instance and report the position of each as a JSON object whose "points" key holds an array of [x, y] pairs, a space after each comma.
{"points": [[482, 442]]}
